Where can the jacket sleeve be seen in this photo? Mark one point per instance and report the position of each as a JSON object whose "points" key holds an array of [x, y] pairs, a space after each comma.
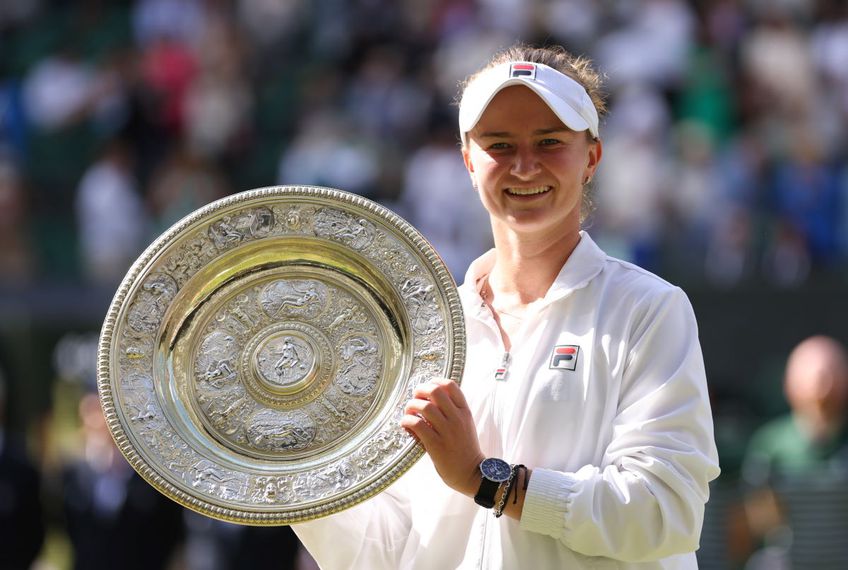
{"points": [[372, 534], [645, 500]]}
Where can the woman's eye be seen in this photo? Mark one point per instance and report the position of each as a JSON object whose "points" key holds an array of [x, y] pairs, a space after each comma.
{"points": [[549, 142], [498, 146]]}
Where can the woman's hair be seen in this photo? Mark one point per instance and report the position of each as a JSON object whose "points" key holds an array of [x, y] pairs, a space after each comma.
{"points": [[579, 68]]}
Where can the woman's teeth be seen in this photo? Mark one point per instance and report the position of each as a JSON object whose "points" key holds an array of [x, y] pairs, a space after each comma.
{"points": [[528, 191]]}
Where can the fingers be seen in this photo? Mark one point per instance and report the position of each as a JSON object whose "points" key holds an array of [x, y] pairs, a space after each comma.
{"points": [[420, 429], [428, 411], [435, 406], [443, 391]]}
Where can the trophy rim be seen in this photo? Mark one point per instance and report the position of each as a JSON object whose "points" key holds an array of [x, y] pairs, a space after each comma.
{"points": [[121, 433]]}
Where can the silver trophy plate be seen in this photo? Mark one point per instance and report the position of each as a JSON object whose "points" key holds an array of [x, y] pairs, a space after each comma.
{"points": [[256, 359]]}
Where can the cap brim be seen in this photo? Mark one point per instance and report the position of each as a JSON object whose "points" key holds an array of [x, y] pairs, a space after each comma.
{"points": [[562, 94]]}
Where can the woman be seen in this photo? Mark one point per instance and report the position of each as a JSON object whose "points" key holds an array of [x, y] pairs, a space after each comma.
{"points": [[583, 368]]}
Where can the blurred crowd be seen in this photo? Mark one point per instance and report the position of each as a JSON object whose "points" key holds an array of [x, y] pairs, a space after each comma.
{"points": [[724, 158], [725, 162]]}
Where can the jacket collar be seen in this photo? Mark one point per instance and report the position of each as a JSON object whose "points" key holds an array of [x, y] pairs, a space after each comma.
{"points": [[584, 263]]}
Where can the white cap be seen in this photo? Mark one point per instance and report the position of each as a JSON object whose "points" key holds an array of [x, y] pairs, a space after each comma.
{"points": [[567, 98]]}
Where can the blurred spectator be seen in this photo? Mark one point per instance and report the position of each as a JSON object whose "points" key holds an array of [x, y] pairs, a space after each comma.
{"points": [[270, 22], [384, 102], [17, 263], [111, 219], [217, 545], [730, 256], [13, 130], [185, 182], [328, 152], [218, 101], [59, 90], [21, 518], [813, 437], [652, 46], [800, 458], [807, 195], [774, 46], [829, 46], [16, 13], [113, 517], [694, 196], [786, 260], [181, 20], [438, 200], [167, 69], [632, 185]]}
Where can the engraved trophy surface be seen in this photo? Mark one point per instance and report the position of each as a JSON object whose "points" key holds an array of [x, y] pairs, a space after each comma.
{"points": [[256, 359]]}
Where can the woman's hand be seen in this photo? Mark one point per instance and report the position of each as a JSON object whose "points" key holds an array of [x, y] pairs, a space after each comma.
{"points": [[439, 417]]}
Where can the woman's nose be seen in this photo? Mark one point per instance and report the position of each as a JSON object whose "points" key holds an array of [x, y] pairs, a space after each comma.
{"points": [[525, 164]]}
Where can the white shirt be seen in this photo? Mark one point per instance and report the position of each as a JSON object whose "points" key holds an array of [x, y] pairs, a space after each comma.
{"points": [[621, 447]]}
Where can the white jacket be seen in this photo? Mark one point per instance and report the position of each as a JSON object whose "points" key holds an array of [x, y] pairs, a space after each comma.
{"points": [[621, 446]]}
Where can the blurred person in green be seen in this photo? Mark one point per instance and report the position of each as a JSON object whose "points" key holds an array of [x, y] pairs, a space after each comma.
{"points": [[795, 461], [813, 436]]}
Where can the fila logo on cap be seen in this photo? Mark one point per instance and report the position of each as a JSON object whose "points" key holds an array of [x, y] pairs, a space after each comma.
{"points": [[522, 70], [564, 357]]}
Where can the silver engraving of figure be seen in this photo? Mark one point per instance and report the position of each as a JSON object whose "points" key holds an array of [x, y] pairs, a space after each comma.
{"points": [[378, 450], [361, 369], [288, 360], [349, 317], [227, 409], [422, 306], [271, 490], [173, 451], [189, 258], [232, 230], [338, 411], [211, 478], [285, 360], [151, 301], [333, 478], [153, 435], [395, 260], [293, 219], [272, 430], [293, 297], [259, 222], [139, 397], [245, 311], [216, 359], [355, 232]]}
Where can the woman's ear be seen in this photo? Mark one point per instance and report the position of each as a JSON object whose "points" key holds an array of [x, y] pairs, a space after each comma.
{"points": [[596, 150], [469, 166], [466, 158]]}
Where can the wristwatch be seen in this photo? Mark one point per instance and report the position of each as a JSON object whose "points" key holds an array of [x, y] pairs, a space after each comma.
{"points": [[494, 471]]}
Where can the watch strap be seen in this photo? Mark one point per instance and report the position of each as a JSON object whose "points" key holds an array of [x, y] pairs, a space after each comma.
{"points": [[485, 496]]}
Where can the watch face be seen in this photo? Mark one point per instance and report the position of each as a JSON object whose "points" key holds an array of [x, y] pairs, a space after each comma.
{"points": [[495, 469]]}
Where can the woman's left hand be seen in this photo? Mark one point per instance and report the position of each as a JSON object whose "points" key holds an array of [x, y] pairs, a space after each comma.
{"points": [[439, 416]]}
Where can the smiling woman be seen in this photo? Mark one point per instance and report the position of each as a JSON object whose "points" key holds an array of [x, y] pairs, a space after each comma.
{"points": [[583, 368], [529, 167]]}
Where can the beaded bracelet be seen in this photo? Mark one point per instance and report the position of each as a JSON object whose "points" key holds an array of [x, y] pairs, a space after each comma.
{"points": [[498, 511]]}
